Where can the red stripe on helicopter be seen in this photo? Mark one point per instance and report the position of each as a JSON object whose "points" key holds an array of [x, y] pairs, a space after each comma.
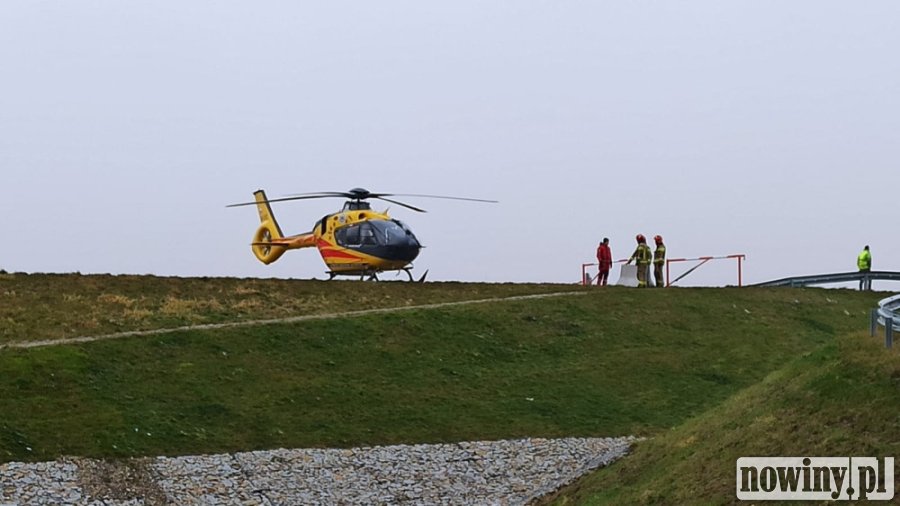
{"points": [[330, 253], [328, 250]]}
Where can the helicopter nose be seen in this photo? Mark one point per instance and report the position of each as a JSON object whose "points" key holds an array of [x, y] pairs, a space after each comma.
{"points": [[406, 252]]}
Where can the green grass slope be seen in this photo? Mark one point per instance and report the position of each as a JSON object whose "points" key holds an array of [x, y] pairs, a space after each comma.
{"points": [[53, 306], [843, 399], [601, 363]]}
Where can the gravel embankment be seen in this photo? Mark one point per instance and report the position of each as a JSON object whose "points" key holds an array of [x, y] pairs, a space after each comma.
{"points": [[484, 472]]}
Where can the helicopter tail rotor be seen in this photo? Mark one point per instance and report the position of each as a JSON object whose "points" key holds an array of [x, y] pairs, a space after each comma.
{"points": [[268, 231], [264, 249]]}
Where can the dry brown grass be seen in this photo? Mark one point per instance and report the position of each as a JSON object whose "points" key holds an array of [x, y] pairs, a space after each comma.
{"points": [[248, 305], [188, 308], [114, 298], [54, 306], [245, 290], [138, 314]]}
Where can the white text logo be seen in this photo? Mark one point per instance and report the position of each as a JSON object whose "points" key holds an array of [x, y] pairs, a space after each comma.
{"points": [[815, 478]]}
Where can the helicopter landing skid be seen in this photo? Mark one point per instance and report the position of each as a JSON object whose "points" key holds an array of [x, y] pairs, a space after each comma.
{"points": [[408, 271], [363, 275], [373, 275]]}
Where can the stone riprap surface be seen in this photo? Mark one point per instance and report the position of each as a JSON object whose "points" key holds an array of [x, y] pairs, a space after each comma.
{"points": [[484, 472]]}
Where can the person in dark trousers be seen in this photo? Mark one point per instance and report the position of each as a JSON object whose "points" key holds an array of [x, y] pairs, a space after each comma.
{"points": [[641, 257], [604, 261], [864, 262], [659, 259]]}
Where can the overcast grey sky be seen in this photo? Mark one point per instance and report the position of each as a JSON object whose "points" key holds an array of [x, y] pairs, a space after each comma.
{"points": [[759, 127]]}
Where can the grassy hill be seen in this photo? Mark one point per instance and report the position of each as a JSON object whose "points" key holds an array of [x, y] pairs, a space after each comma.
{"points": [[52, 306], [843, 399], [706, 374]]}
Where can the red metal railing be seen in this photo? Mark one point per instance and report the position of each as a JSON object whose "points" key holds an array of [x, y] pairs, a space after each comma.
{"points": [[586, 279], [740, 259]]}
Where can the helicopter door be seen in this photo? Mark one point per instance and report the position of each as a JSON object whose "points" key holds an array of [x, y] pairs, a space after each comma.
{"points": [[323, 223], [367, 235], [348, 236], [358, 234]]}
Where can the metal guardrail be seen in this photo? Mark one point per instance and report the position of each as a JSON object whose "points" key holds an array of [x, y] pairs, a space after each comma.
{"points": [[886, 315], [824, 279], [889, 308]]}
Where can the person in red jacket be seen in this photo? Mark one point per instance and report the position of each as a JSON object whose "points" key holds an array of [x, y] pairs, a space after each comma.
{"points": [[604, 260]]}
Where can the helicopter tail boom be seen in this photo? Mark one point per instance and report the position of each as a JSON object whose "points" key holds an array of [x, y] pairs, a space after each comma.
{"points": [[267, 251]]}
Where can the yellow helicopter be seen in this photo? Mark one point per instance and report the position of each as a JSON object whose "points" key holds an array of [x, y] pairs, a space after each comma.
{"points": [[355, 241]]}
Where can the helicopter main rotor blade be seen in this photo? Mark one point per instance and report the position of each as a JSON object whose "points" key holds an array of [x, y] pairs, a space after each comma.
{"points": [[304, 197], [362, 194], [378, 195], [401, 204], [321, 194]]}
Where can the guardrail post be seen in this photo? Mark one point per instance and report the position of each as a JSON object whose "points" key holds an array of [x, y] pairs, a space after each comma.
{"points": [[873, 322], [888, 332]]}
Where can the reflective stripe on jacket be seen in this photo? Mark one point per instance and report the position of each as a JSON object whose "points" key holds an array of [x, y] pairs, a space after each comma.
{"points": [[659, 256], [642, 254]]}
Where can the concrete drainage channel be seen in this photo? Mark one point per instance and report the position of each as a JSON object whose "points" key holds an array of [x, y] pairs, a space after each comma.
{"points": [[510, 472]]}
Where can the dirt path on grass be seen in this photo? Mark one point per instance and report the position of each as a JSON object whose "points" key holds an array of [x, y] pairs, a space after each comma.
{"points": [[289, 319]]}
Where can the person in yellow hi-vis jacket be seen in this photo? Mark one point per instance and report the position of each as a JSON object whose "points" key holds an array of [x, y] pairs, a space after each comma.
{"points": [[659, 259], [864, 262], [641, 257]]}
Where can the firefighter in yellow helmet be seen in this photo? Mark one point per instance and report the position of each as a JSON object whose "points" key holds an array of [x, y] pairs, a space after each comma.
{"points": [[641, 257], [659, 259]]}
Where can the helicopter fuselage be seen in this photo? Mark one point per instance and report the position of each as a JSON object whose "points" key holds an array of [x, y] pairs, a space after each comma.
{"points": [[359, 240], [354, 241]]}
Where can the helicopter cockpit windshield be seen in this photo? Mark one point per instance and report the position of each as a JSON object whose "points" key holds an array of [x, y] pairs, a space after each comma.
{"points": [[376, 233], [395, 233]]}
